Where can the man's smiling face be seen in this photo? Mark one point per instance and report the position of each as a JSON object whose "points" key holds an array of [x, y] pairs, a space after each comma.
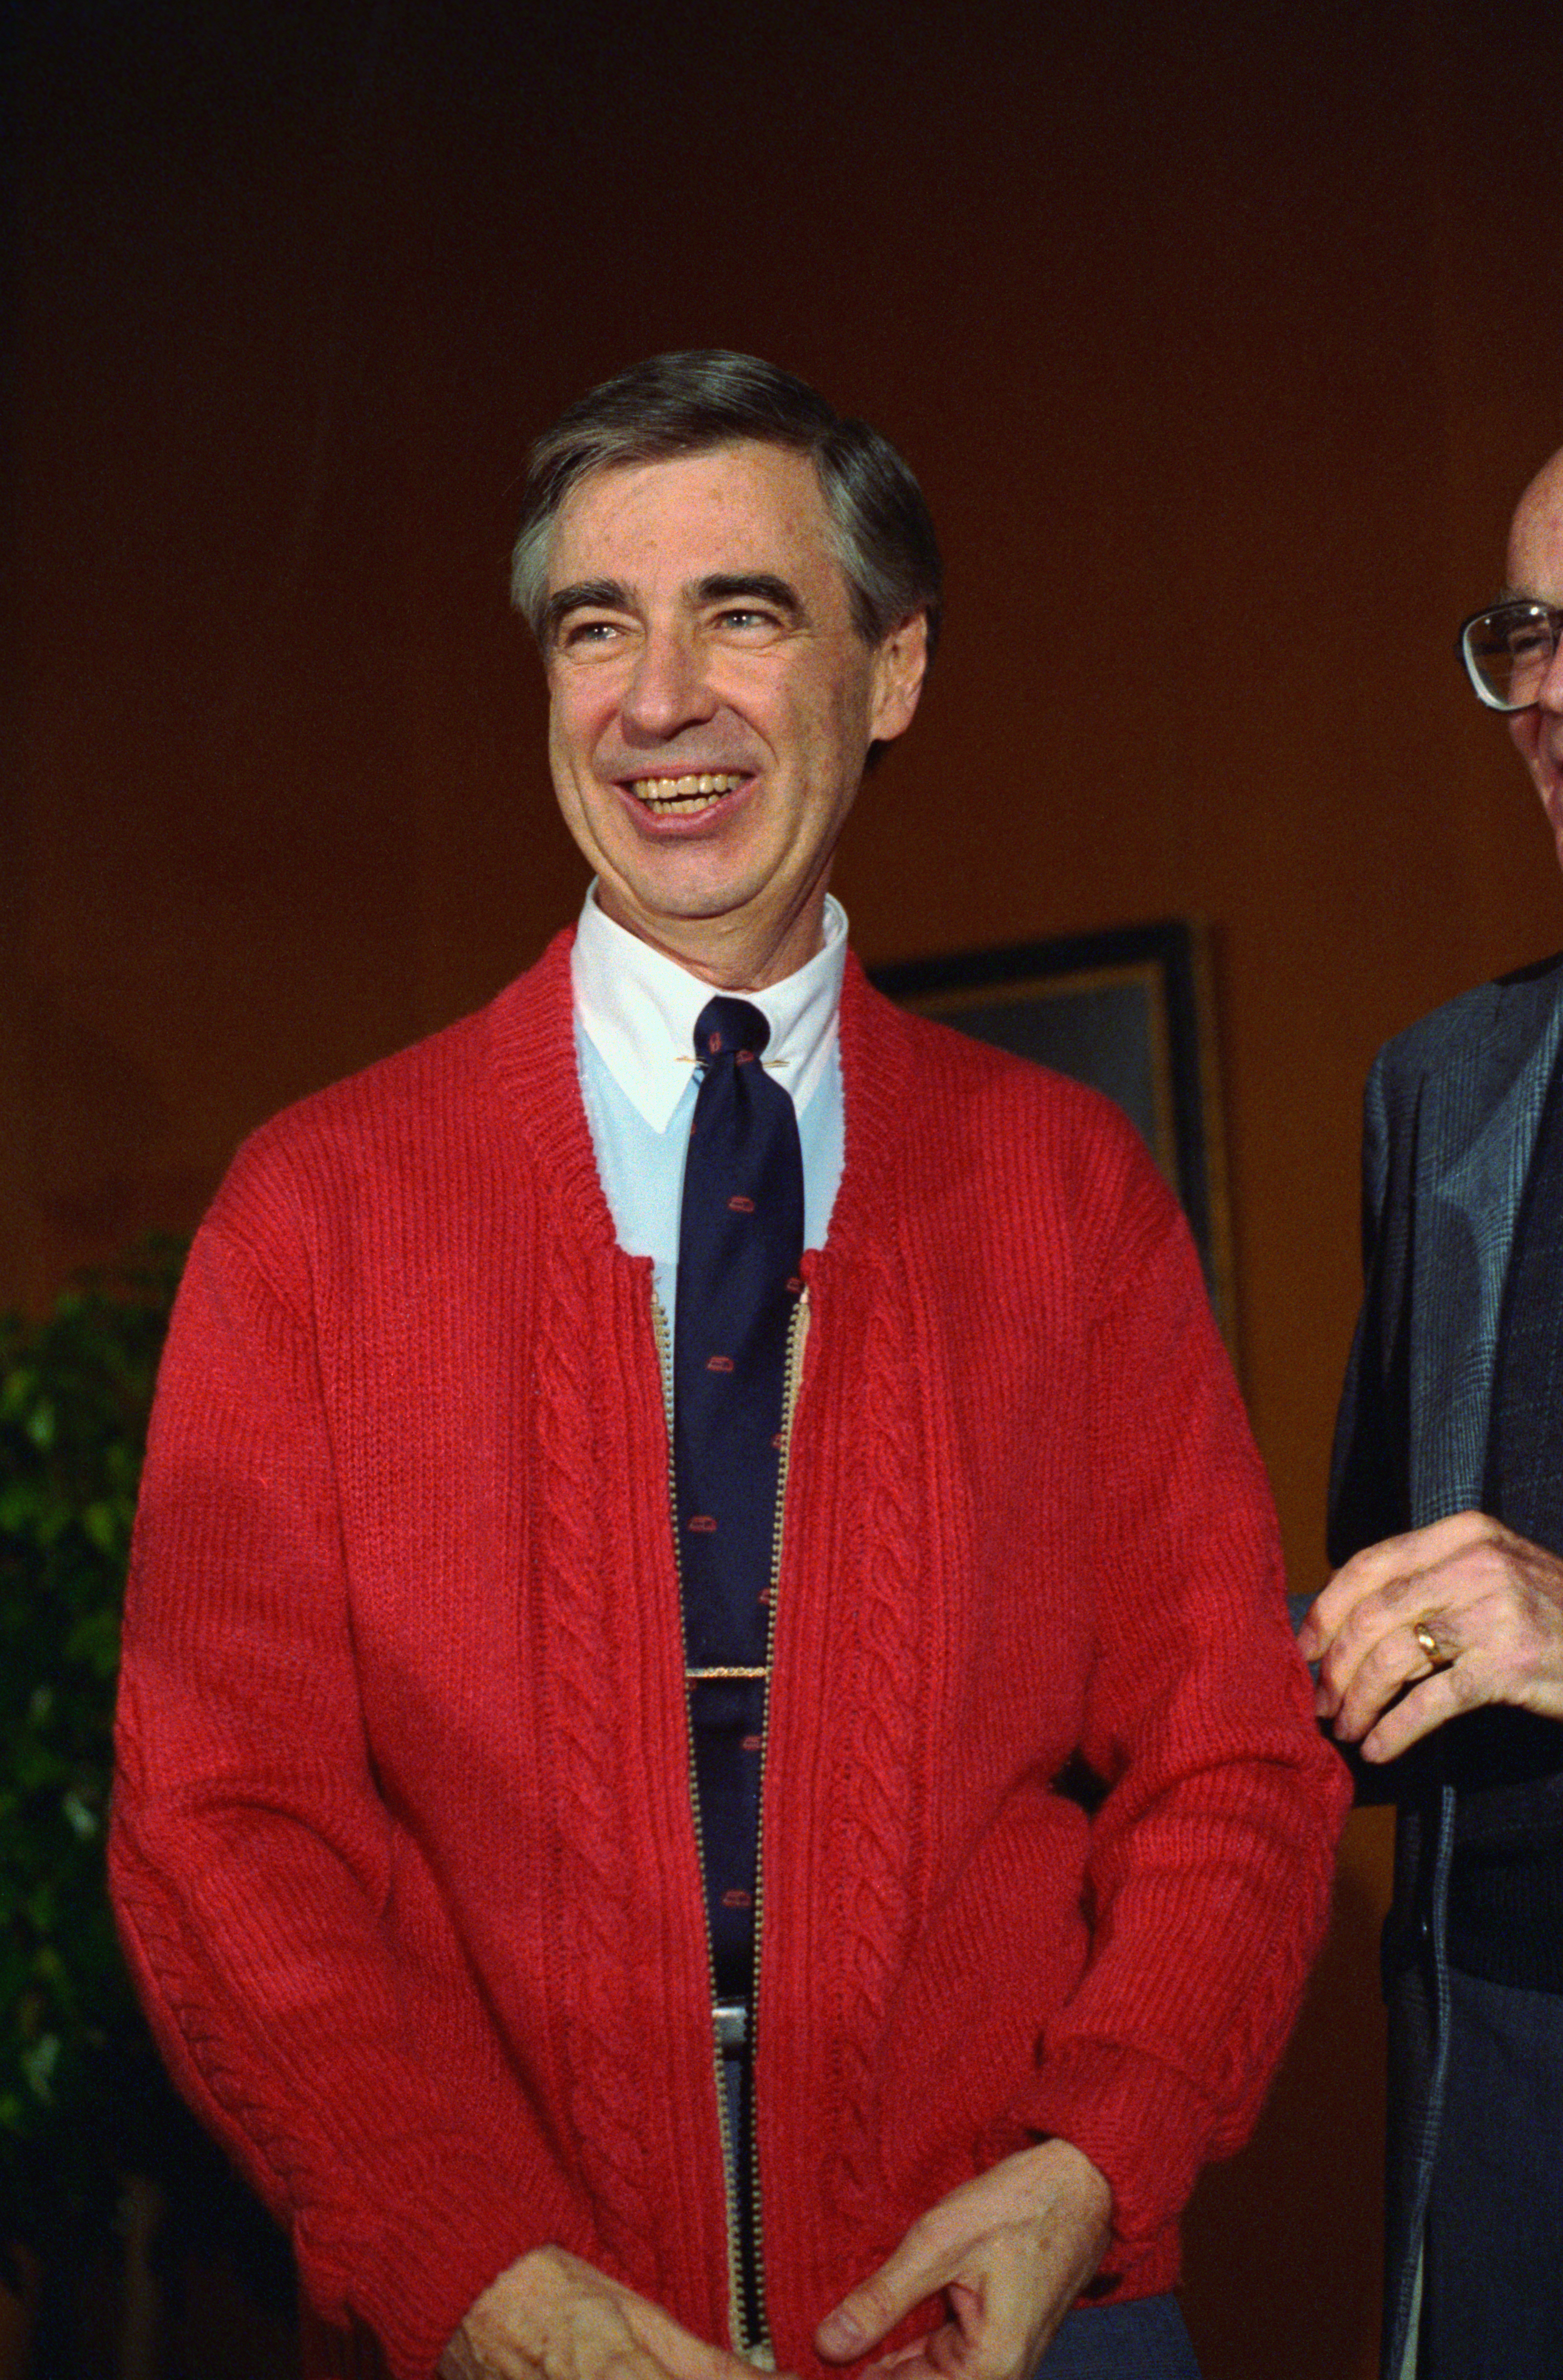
{"points": [[712, 703]]}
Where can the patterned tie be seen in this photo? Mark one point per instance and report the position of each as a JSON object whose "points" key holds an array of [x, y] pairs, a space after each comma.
{"points": [[740, 1242]]}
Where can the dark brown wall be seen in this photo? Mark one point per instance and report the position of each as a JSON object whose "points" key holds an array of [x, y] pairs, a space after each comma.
{"points": [[1222, 339]]}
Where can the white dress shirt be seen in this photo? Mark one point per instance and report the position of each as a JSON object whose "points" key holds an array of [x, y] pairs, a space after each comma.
{"points": [[635, 1046]]}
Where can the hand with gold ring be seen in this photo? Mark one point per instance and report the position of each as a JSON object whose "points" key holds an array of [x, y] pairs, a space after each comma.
{"points": [[1416, 1629]]}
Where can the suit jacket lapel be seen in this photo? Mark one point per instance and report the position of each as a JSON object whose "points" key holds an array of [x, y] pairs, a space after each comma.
{"points": [[1480, 1116]]}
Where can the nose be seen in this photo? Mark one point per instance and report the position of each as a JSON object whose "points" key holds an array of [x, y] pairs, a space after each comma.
{"points": [[667, 688]]}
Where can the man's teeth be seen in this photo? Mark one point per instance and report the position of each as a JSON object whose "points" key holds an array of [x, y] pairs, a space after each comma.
{"points": [[684, 795]]}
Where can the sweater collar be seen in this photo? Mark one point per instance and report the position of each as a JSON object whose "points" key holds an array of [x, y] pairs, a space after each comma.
{"points": [[532, 1031], [637, 1008]]}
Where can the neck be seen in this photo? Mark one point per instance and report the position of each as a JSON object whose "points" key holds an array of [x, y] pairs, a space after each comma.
{"points": [[731, 953]]}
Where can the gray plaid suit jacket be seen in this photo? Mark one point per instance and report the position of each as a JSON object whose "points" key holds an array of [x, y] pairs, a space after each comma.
{"points": [[1451, 1116]]}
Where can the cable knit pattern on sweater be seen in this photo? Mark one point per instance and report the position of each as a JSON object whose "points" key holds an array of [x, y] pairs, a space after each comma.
{"points": [[873, 1811], [403, 1846]]}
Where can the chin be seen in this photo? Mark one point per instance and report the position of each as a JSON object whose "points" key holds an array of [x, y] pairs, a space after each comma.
{"points": [[685, 903]]}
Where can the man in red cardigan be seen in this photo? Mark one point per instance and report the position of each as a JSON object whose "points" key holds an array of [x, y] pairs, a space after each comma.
{"points": [[416, 1854]]}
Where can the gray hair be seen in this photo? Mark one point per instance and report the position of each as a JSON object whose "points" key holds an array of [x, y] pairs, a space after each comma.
{"points": [[691, 403]]}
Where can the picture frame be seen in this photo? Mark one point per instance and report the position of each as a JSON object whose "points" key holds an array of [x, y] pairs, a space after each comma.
{"points": [[1128, 1010]]}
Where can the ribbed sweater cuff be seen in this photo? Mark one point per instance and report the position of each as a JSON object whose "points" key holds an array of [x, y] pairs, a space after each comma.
{"points": [[447, 2233], [1139, 2121]]}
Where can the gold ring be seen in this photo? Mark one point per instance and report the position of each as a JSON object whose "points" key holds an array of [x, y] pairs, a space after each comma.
{"points": [[1431, 1646]]}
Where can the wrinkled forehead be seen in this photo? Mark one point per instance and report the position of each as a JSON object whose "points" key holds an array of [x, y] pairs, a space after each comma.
{"points": [[745, 506]]}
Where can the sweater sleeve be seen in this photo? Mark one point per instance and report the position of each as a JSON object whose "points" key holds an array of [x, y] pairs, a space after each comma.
{"points": [[254, 1857], [1212, 1852]]}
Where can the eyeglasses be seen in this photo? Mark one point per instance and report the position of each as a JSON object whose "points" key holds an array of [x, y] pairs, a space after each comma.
{"points": [[1509, 650]]}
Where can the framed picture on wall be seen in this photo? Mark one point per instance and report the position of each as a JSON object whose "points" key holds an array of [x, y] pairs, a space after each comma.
{"points": [[1128, 1011]]}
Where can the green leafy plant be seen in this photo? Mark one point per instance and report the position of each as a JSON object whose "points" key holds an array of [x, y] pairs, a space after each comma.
{"points": [[74, 1393]]}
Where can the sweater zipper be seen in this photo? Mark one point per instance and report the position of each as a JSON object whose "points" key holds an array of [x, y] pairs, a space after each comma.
{"points": [[797, 1330], [758, 2351], [735, 2266]]}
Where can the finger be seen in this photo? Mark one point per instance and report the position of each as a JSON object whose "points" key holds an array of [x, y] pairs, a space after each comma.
{"points": [[991, 2333], [1383, 1672], [1369, 1569], [995, 2334], [1348, 1604], [1387, 1566], [1376, 1649], [912, 2361], [1431, 1705], [1329, 1610], [946, 2353], [850, 2329], [872, 2310], [907, 2364], [1003, 2310], [1460, 1600], [587, 2350], [586, 2325], [674, 2354], [1360, 1662], [678, 2351]]}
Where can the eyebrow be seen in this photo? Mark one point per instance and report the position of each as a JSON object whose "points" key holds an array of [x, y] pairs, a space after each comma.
{"points": [[596, 594], [717, 587], [729, 586]]}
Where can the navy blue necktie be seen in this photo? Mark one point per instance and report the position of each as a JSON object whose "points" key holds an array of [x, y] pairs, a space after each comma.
{"points": [[740, 1243]]}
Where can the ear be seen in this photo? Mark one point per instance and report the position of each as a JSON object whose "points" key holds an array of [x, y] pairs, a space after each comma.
{"points": [[901, 664]]}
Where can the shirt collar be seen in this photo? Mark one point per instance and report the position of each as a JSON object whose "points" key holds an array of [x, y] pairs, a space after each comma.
{"points": [[637, 1008]]}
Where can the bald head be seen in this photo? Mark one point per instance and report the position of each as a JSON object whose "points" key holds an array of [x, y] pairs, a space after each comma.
{"points": [[1535, 536], [1536, 568]]}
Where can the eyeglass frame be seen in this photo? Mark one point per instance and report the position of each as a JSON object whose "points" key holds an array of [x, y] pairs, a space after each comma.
{"points": [[1554, 614]]}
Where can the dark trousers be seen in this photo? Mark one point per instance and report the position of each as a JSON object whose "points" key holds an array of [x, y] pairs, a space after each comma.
{"points": [[1492, 2290], [1145, 2339]]}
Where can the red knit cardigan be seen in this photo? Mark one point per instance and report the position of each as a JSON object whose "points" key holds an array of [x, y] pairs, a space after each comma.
{"points": [[402, 1848]]}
